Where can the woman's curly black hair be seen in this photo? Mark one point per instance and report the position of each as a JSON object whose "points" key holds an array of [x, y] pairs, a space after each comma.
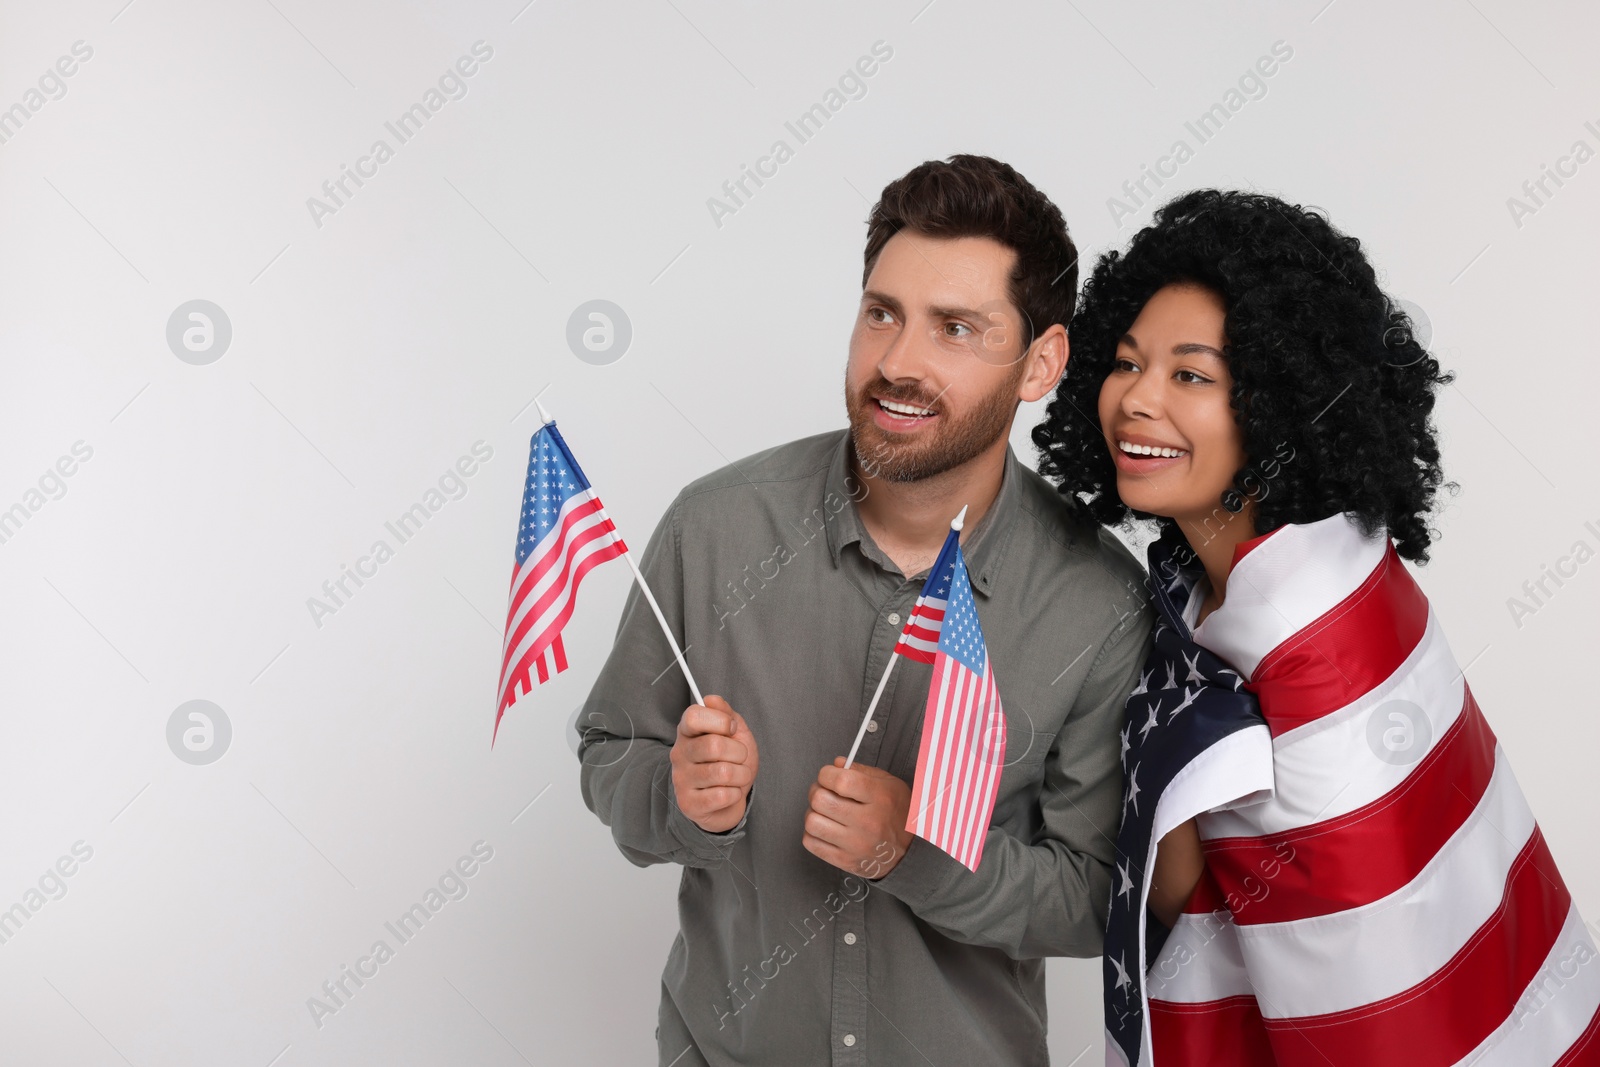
{"points": [[1323, 363]]}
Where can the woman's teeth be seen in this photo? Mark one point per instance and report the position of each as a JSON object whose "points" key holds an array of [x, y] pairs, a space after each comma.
{"points": [[903, 409], [1150, 450]]}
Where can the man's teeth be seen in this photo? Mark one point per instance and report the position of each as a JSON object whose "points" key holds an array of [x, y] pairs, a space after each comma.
{"points": [[903, 409], [1150, 450]]}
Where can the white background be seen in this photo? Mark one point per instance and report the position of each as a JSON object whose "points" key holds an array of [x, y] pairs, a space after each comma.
{"points": [[369, 352]]}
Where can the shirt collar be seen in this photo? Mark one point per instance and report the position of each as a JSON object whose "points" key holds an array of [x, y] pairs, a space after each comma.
{"points": [[983, 546]]}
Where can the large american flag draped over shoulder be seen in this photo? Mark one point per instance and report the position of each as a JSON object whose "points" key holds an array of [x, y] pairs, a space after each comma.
{"points": [[563, 534], [1390, 900], [963, 726]]}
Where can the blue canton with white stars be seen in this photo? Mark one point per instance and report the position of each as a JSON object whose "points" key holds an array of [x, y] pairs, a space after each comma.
{"points": [[553, 478], [960, 637], [1186, 701]]}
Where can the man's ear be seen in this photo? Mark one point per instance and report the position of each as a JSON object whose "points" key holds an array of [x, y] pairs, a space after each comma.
{"points": [[1046, 361]]}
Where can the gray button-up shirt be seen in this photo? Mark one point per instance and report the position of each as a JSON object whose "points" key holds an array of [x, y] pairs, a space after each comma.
{"points": [[788, 609]]}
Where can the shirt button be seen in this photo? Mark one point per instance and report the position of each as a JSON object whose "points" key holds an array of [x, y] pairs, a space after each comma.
{"points": [[849, 939], [849, 1039], [894, 618], [872, 726]]}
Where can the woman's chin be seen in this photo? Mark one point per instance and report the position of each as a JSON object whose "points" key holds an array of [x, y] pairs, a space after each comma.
{"points": [[1139, 498]]}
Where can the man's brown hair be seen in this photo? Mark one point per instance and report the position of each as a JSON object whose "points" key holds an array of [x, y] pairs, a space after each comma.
{"points": [[976, 196]]}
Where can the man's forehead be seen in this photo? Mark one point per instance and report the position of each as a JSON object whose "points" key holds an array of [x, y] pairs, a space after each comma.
{"points": [[943, 271]]}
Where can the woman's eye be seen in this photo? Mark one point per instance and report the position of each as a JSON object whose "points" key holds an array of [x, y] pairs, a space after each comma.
{"points": [[1194, 377], [1121, 363]]}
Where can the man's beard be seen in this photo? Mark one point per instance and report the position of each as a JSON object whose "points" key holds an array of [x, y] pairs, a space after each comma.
{"points": [[882, 456]]}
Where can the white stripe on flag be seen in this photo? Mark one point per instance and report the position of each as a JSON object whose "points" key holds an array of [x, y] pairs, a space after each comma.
{"points": [[963, 795], [1310, 569], [951, 747], [544, 547], [553, 611], [984, 771], [930, 792], [1366, 954], [1325, 769], [1560, 1000]]}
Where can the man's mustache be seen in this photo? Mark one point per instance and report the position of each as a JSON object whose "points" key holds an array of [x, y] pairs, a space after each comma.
{"points": [[887, 391]]}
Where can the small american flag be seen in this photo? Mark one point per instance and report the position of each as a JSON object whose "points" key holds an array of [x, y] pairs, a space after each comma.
{"points": [[963, 727], [564, 533], [920, 638]]}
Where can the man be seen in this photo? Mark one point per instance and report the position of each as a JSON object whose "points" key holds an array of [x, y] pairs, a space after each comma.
{"points": [[814, 928]]}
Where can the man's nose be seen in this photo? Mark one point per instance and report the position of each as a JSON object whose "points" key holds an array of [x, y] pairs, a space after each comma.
{"points": [[906, 357]]}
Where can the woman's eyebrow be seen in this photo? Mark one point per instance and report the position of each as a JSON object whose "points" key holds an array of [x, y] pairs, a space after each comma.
{"points": [[1187, 348]]}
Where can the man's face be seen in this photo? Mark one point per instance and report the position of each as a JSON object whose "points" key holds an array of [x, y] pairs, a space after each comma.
{"points": [[936, 356]]}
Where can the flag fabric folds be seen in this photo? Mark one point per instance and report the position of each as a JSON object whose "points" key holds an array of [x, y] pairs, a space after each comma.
{"points": [[1193, 739], [563, 534], [1389, 899], [963, 728]]}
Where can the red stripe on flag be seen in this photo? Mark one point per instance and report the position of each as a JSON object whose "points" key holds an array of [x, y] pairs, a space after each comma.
{"points": [[548, 556], [1339, 658], [951, 682], [1444, 1017], [556, 588], [1368, 853], [1584, 1052], [553, 630], [925, 780], [963, 791], [980, 770], [1215, 1032], [992, 752]]}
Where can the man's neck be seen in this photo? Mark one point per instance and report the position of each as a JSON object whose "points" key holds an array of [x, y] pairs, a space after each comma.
{"points": [[910, 520]]}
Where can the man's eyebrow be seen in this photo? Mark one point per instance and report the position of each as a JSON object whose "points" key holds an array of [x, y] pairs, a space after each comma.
{"points": [[955, 313], [873, 296]]}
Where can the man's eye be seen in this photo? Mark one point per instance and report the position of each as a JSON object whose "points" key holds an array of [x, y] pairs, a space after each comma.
{"points": [[956, 326], [877, 314]]}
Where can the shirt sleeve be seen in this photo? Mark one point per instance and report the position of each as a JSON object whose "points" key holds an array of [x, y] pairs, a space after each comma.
{"points": [[630, 721], [1050, 896]]}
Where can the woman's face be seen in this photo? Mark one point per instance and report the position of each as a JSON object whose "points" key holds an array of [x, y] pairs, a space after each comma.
{"points": [[1168, 388]]}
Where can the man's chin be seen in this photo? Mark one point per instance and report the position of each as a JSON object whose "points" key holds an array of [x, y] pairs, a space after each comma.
{"points": [[880, 456]]}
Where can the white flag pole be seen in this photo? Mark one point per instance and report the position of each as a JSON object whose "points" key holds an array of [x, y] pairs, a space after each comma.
{"points": [[662, 619], [644, 588], [861, 731]]}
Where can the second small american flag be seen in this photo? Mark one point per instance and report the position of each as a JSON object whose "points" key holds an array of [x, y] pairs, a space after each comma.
{"points": [[963, 726]]}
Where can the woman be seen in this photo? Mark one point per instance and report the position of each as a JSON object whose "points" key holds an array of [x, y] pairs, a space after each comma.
{"points": [[1346, 871]]}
